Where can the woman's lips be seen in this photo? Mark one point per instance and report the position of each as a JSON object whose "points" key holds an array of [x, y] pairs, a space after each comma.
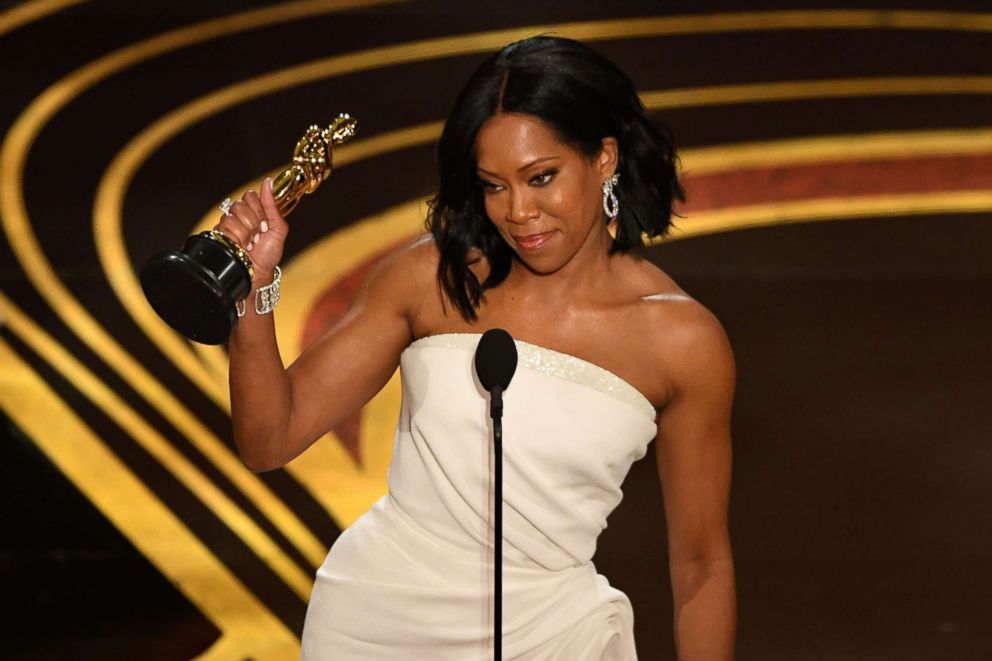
{"points": [[533, 241]]}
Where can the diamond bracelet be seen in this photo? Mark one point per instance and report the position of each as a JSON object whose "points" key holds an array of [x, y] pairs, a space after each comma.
{"points": [[266, 297]]}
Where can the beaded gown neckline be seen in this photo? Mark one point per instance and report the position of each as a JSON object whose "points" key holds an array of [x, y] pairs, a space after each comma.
{"points": [[555, 363]]}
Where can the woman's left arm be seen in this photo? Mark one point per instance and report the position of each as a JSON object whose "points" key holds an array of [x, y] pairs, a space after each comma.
{"points": [[694, 466]]}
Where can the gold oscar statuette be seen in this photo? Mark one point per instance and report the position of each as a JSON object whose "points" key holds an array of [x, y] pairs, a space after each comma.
{"points": [[197, 290]]}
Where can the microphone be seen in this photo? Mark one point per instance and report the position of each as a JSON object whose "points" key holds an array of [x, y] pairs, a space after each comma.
{"points": [[495, 363]]}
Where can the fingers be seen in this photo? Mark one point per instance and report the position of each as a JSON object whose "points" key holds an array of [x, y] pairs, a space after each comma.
{"points": [[235, 230], [253, 202], [245, 220], [268, 201], [261, 226], [252, 216]]}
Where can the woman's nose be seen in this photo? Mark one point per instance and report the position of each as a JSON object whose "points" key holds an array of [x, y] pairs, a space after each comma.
{"points": [[522, 208]]}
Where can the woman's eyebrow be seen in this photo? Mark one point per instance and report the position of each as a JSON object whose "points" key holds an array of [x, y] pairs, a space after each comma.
{"points": [[525, 166]]}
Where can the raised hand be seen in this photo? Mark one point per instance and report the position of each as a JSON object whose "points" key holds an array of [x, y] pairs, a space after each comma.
{"points": [[255, 223]]}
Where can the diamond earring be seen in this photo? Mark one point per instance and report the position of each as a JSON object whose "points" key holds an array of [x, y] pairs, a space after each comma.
{"points": [[611, 205]]}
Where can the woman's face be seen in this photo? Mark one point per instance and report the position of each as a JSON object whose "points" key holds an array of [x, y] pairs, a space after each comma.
{"points": [[543, 196]]}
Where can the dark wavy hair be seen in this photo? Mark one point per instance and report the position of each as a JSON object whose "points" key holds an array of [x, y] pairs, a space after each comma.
{"points": [[582, 97]]}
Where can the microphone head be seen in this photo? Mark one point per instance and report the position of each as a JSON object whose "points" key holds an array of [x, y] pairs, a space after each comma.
{"points": [[496, 359]]}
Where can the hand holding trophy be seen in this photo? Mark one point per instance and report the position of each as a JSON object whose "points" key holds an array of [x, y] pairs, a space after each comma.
{"points": [[200, 290]]}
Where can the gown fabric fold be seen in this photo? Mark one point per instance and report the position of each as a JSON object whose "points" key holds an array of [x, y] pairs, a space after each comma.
{"points": [[413, 577]]}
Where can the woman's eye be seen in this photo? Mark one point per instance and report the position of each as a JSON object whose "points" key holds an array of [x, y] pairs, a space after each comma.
{"points": [[488, 186], [544, 178]]}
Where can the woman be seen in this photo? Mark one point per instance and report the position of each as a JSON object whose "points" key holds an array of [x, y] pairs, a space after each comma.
{"points": [[550, 173]]}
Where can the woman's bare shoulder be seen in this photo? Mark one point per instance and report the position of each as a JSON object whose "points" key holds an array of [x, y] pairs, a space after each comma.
{"points": [[415, 273], [665, 307], [646, 281], [402, 278], [409, 266], [416, 257], [676, 334]]}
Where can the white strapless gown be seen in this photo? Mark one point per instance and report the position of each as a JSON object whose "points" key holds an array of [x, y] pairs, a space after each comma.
{"points": [[413, 578]]}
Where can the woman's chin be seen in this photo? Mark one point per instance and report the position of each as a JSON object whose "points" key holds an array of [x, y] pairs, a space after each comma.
{"points": [[543, 264]]}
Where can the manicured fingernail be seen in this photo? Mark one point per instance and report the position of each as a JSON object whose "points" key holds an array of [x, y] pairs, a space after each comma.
{"points": [[268, 182], [250, 246], [265, 226]]}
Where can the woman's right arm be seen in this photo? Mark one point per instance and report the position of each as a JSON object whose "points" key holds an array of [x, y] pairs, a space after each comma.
{"points": [[278, 412]]}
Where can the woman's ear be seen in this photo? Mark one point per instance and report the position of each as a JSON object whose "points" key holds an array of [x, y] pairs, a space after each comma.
{"points": [[606, 161]]}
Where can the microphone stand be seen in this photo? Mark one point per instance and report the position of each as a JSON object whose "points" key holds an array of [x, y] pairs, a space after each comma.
{"points": [[495, 362], [496, 411]]}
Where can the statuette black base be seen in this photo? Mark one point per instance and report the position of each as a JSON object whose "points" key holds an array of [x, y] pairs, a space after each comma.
{"points": [[195, 290]]}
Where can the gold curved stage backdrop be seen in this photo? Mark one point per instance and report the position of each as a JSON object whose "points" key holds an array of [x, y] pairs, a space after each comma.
{"points": [[862, 466]]}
